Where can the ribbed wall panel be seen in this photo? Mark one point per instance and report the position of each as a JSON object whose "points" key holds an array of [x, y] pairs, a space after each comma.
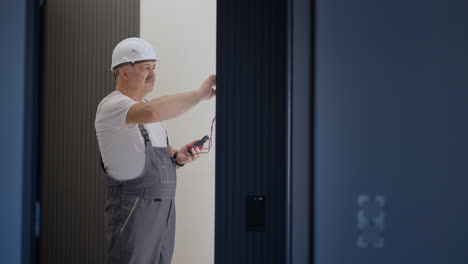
{"points": [[79, 38], [251, 122]]}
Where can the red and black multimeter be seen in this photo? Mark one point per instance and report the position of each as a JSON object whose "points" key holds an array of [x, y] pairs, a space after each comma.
{"points": [[199, 143]]}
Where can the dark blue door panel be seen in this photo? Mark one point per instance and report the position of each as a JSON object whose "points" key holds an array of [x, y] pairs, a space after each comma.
{"points": [[391, 123]]}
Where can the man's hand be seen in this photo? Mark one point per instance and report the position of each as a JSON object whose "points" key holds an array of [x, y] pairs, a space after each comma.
{"points": [[207, 88], [184, 157]]}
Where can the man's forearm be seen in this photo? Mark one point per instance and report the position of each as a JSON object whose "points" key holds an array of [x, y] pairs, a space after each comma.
{"points": [[171, 106]]}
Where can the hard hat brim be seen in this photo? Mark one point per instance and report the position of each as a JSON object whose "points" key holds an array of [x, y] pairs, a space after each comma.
{"points": [[132, 63]]}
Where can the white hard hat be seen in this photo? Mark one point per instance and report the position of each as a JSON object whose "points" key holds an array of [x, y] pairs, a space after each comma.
{"points": [[132, 50]]}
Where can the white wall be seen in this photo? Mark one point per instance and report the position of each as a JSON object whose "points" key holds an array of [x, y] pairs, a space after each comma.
{"points": [[183, 33]]}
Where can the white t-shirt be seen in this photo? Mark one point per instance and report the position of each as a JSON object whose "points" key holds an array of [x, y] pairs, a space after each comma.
{"points": [[122, 146]]}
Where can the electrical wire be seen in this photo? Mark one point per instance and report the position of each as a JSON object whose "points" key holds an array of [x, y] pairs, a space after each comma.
{"points": [[210, 142]]}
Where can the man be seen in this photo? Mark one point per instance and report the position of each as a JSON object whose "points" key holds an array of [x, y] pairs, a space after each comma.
{"points": [[140, 165]]}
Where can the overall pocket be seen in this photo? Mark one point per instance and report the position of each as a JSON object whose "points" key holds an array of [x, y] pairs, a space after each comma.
{"points": [[166, 170], [132, 211], [111, 221]]}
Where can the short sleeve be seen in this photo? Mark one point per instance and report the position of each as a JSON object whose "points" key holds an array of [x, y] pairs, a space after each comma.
{"points": [[113, 112]]}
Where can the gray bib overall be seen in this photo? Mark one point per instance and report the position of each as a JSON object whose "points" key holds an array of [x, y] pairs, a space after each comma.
{"points": [[140, 213]]}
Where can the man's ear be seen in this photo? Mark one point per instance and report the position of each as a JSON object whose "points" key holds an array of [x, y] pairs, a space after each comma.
{"points": [[124, 72]]}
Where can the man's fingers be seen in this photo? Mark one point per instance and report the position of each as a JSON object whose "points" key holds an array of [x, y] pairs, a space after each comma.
{"points": [[193, 152], [189, 150], [197, 151]]}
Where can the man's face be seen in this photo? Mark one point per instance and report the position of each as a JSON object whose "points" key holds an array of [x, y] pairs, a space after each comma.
{"points": [[141, 76]]}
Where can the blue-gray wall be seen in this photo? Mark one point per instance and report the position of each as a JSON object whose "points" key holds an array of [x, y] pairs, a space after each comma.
{"points": [[392, 120], [301, 76], [12, 73]]}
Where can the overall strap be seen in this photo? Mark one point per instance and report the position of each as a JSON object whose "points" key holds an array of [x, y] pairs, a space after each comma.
{"points": [[102, 164], [144, 134], [165, 130]]}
